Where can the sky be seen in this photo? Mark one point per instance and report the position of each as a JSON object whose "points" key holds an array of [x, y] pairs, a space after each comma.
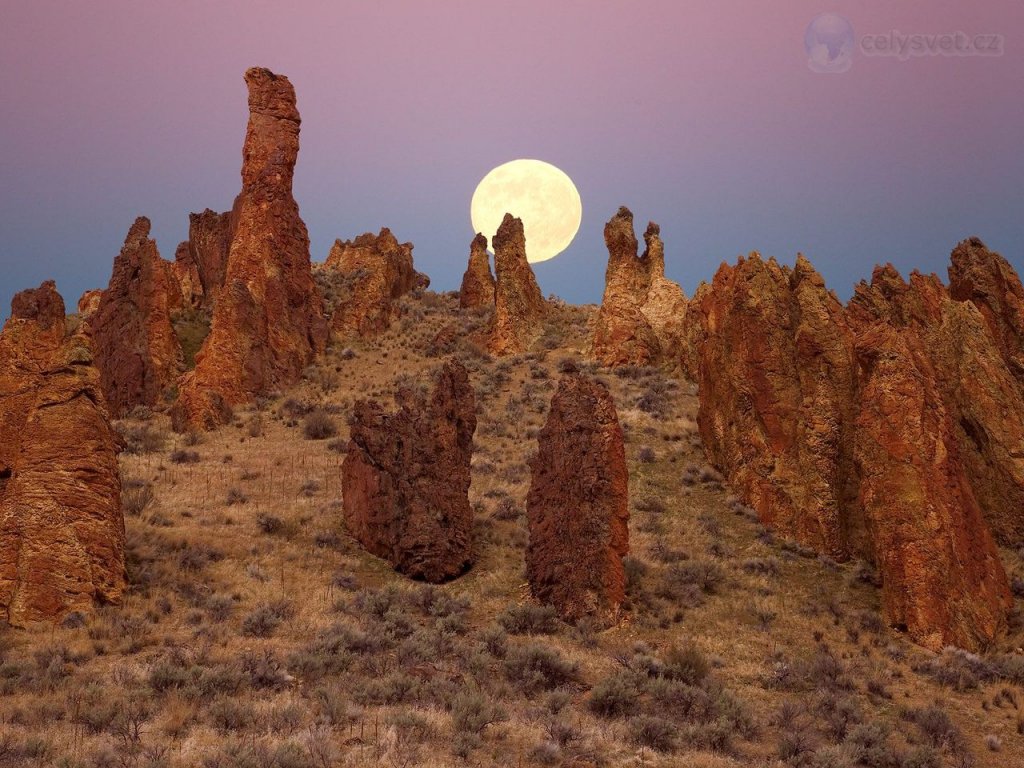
{"points": [[704, 117]]}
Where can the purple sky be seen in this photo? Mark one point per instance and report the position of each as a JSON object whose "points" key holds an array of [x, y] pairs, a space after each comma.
{"points": [[701, 116]]}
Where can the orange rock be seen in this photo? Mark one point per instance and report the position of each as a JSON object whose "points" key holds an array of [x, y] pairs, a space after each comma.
{"points": [[642, 312], [89, 303], [406, 476], [268, 322], [578, 504], [987, 280], [61, 528], [137, 352], [941, 576], [519, 306], [200, 263], [477, 283], [376, 271]]}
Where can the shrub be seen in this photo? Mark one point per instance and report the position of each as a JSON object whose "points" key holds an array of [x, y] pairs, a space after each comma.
{"points": [[614, 696], [654, 732], [536, 666], [529, 619], [228, 715], [184, 457], [236, 496], [318, 425], [957, 669], [686, 664], [266, 618], [136, 496], [703, 574], [472, 712]]}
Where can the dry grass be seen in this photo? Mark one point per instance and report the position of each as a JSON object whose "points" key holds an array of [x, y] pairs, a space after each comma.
{"points": [[260, 634]]}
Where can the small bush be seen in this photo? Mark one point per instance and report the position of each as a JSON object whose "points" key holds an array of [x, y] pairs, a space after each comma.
{"points": [[266, 618], [472, 712], [184, 457], [529, 619], [318, 425], [656, 733], [236, 496], [535, 666], [686, 664], [136, 497], [615, 696]]}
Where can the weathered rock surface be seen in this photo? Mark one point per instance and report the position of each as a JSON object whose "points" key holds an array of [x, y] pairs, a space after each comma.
{"points": [[519, 306], [137, 353], [642, 312], [578, 504], [375, 271], [406, 478], [477, 282], [890, 429], [942, 580], [89, 303], [268, 322], [200, 263], [774, 366], [987, 280], [61, 528]]}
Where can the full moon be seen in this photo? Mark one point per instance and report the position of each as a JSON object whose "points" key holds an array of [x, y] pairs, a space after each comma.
{"points": [[540, 194]]}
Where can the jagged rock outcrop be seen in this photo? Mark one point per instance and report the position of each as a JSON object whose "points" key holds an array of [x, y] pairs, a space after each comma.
{"points": [[987, 280], [976, 385], [89, 303], [578, 504], [406, 476], [137, 353], [890, 429], [941, 577], [774, 367], [641, 316], [268, 322], [200, 263], [375, 271], [477, 282], [519, 306], [61, 527]]}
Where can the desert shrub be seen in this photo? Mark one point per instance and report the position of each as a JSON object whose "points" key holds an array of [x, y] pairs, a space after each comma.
{"points": [[265, 671], [657, 733], [937, 728], [796, 746], [318, 425], [236, 496], [269, 524], [141, 439], [136, 497], [529, 619], [646, 455], [871, 745], [228, 715], [703, 574], [536, 666], [181, 456], [266, 618], [495, 640], [615, 696], [957, 669], [219, 607], [685, 662], [472, 712]]}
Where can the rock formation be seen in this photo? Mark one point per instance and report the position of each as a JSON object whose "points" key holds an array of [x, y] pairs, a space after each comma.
{"points": [[137, 352], [61, 528], [890, 429], [268, 321], [406, 478], [941, 577], [641, 316], [519, 306], [200, 263], [375, 271], [477, 283], [89, 303], [987, 280], [578, 504]]}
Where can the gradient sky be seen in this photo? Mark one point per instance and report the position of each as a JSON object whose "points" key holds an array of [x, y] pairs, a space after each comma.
{"points": [[701, 116]]}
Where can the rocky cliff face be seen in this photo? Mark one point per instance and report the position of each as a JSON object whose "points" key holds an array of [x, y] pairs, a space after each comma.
{"points": [[137, 352], [61, 528], [200, 263], [829, 418], [268, 322], [477, 288], [641, 316], [519, 306], [578, 504], [406, 478], [987, 280], [375, 271]]}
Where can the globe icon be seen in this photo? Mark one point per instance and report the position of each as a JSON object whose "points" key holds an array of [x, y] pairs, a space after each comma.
{"points": [[829, 43]]}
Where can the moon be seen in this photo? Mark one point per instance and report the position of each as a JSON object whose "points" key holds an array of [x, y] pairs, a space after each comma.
{"points": [[540, 194]]}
